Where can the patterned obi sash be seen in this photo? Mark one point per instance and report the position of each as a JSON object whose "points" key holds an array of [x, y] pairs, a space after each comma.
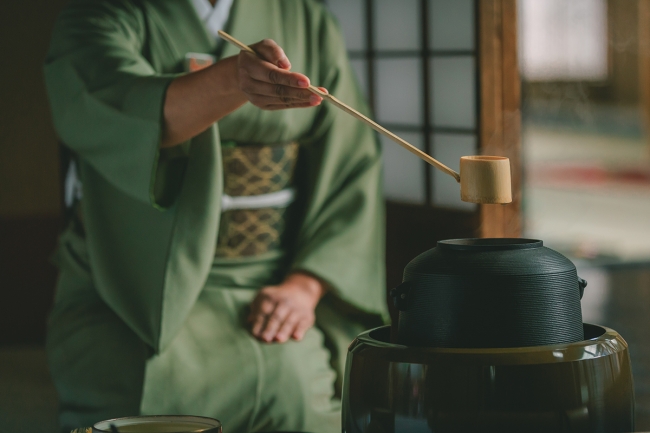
{"points": [[258, 189]]}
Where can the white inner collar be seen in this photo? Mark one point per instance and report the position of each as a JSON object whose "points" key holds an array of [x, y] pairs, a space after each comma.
{"points": [[214, 17]]}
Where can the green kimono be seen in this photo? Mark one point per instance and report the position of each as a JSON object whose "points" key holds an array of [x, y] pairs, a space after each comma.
{"points": [[147, 319]]}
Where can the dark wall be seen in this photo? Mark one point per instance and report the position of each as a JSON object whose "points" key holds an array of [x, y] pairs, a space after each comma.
{"points": [[29, 171], [29, 161], [27, 277]]}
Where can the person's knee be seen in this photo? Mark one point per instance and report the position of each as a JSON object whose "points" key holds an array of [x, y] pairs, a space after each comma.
{"points": [[304, 373]]}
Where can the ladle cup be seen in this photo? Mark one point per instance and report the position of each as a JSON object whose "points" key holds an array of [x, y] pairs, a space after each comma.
{"points": [[483, 179]]}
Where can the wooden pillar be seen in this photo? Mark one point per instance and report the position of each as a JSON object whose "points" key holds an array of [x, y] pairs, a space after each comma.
{"points": [[500, 116]]}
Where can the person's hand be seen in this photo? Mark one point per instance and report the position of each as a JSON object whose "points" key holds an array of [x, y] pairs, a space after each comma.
{"points": [[286, 310], [268, 83]]}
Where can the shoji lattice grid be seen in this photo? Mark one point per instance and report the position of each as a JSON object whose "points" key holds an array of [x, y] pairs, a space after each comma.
{"points": [[416, 62]]}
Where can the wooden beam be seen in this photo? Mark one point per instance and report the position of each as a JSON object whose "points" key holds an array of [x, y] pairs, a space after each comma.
{"points": [[500, 116]]}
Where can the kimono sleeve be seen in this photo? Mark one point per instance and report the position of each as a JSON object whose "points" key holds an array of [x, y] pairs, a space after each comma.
{"points": [[342, 236], [106, 98]]}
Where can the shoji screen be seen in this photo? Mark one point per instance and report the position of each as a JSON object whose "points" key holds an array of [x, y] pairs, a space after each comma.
{"points": [[417, 62]]}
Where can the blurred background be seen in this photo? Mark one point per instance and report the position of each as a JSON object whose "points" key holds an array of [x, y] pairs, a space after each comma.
{"points": [[561, 87], [585, 74]]}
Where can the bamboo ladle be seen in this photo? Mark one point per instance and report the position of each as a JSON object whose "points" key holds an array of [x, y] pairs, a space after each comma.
{"points": [[483, 179]]}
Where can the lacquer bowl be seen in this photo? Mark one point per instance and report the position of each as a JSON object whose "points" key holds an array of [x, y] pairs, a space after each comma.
{"points": [[159, 424]]}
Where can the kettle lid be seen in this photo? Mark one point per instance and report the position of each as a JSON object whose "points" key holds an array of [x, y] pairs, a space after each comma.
{"points": [[489, 244]]}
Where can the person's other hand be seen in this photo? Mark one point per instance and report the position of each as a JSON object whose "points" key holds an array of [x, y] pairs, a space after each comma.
{"points": [[268, 83], [286, 310]]}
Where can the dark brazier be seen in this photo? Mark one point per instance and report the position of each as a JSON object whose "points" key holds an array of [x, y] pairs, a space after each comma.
{"points": [[572, 388]]}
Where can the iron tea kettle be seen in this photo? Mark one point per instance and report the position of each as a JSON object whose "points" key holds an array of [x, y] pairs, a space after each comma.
{"points": [[479, 293]]}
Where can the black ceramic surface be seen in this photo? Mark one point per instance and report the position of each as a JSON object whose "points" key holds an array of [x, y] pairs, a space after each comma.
{"points": [[477, 293]]}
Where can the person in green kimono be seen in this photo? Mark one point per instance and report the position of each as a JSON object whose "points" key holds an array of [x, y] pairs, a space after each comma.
{"points": [[218, 216]]}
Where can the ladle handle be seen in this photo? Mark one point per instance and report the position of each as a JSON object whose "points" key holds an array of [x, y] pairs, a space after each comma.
{"points": [[377, 127]]}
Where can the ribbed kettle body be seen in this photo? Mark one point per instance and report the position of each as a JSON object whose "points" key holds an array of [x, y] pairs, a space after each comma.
{"points": [[476, 293]]}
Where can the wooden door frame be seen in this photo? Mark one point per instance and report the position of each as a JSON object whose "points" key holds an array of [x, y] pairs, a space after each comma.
{"points": [[499, 113]]}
